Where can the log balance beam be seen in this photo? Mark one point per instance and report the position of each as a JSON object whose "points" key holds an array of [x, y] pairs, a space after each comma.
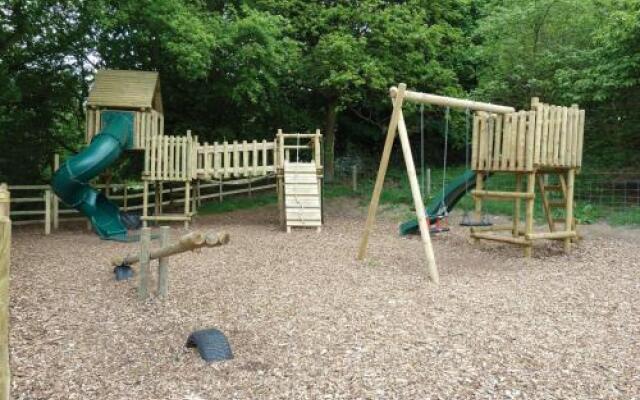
{"points": [[189, 242]]}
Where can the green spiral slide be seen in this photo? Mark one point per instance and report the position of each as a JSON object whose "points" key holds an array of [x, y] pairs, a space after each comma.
{"points": [[443, 201], [71, 181]]}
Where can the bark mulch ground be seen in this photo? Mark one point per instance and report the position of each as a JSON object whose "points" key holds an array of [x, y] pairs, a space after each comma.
{"points": [[307, 321]]}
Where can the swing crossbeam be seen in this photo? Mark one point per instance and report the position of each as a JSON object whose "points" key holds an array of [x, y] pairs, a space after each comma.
{"points": [[444, 101]]}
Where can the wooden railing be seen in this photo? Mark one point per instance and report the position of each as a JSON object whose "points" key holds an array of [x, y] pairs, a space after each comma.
{"points": [[169, 158], [37, 204], [244, 159], [545, 137]]}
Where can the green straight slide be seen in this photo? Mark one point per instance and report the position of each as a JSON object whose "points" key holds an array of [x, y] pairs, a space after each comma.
{"points": [[444, 201], [70, 182]]}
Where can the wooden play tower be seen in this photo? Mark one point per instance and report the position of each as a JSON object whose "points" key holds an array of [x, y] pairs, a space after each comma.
{"points": [[542, 145]]}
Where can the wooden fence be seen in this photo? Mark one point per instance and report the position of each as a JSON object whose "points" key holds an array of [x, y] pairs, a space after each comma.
{"points": [[5, 247], [37, 204], [546, 137]]}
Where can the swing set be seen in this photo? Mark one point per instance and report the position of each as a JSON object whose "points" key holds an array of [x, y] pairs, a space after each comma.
{"points": [[542, 143]]}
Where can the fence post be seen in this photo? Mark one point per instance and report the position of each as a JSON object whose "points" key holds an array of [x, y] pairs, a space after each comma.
{"points": [[5, 247], [143, 279], [125, 199], [55, 200], [163, 266], [354, 177], [47, 212]]}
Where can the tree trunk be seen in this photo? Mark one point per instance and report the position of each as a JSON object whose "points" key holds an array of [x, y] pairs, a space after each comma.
{"points": [[330, 138]]}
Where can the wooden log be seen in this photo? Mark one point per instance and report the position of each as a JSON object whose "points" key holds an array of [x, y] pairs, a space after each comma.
{"points": [[551, 235], [382, 169], [536, 107], [502, 195], [545, 201], [564, 132], [513, 151], [189, 242], [506, 239], [522, 141], [544, 146], [426, 98], [143, 258], [482, 139], [492, 228]]}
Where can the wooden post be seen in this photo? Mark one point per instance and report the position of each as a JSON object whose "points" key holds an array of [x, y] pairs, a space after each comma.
{"points": [[56, 201], [354, 177], [478, 199], [163, 266], [568, 221], [382, 170], [187, 202], [145, 204], [530, 202], [516, 207], [220, 190], [143, 278], [125, 199], [5, 247], [428, 190], [156, 198], [47, 212]]}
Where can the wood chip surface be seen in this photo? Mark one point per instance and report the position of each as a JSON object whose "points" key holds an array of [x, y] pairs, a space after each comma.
{"points": [[307, 321]]}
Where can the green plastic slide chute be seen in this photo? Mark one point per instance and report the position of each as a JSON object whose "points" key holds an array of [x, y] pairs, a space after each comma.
{"points": [[70, 182], [444, 201]]}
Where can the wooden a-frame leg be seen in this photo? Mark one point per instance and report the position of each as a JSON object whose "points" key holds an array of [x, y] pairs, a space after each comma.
{"points": [[145, 204], [382, 171], [421, 213]]}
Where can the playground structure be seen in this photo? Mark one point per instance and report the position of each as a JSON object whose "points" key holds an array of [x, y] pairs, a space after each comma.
{"points": [[124, 112], [5, 247], [189, 242], [544, 142]]}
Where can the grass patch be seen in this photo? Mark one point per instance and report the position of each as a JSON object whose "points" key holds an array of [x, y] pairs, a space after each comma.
{"points": [[238, 202]]}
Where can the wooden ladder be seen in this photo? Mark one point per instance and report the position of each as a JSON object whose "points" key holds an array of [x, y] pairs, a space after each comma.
{"points": [[557, 203]]}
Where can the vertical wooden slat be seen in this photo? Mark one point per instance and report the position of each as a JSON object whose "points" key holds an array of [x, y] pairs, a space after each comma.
{"points": [[489, 142], [513, 151], [539, 116], [227, 159], [265, 159], [245, 158], [482, 138], [165, 158], [236, 158], [522, 140], [580, 137], [556, 135], [254, 157], [497, 145], [183, 166], [545, 135], [507, 137], [217, 160], [152, 158], [573, 142], [530, 140], [564, 132], [474, 140]]}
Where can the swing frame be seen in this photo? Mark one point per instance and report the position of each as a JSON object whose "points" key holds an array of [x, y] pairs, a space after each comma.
{"points": [[397, 126]]}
